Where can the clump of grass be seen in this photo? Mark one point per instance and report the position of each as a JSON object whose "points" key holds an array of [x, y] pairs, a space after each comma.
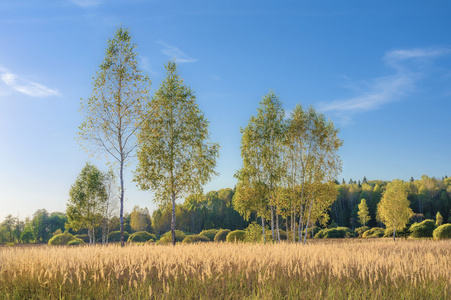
{"points": [[335, 269]]}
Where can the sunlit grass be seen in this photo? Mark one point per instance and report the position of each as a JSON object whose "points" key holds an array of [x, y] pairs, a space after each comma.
{"points": [[355, 269]]}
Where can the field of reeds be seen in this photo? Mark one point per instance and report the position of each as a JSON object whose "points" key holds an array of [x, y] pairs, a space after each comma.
{"points": [[343, 269]]}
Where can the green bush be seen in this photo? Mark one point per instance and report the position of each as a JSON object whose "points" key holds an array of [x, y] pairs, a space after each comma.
{"points": [[61, 239], [83, 237], [235, 236], [334, 233], [179, 235], [75, 242], [320, 234], [195, 238], [316, 229], [164, 240], [115, 236], [222, 235], [359, 231], [374, 233], [210, 233], [141, 236], [423, 229], [283, 235], [254, 233], [442, 232]]}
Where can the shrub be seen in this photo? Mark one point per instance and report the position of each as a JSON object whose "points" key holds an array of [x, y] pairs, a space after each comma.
{"points": [[164, 240], [235, 236], [210, 233], [222, 235], [316, 229], [359, 231], [141, 236], [115, 236], [283, 235], [334, 233], [61, 239], [254, 233], [58, 231], [195, 238], [179, 235], [374, 233], [423, 229], [442, 232], [84, 237], [75, 242]]}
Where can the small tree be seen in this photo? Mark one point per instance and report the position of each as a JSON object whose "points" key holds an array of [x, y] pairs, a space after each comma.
{"points": [[174, 156], [87, 197], [438, 219], [363, 212], [394, 209]]}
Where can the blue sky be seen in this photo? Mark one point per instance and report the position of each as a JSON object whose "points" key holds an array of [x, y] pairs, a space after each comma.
{"points": [[381, 70]]}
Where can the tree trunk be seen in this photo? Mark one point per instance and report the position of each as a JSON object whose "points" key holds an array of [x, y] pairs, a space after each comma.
{"points": [[173, 220], [263, 227], [308, 218], [277, 228], [272, 222], [121, 215], [394, 232], [300, 224]]}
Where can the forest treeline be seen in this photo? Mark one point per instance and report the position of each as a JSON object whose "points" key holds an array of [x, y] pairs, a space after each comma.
{"points": [[215, 210]]}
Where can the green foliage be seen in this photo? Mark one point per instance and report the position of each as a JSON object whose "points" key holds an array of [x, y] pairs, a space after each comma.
{"points": [[75, 242], [316, 229], [141, 236], [61, 239], [221, 236], [438, 219], [210, 233], [254, 233], [363, 213], [359, 231], [85, 237], [333, 233], [115, 236], [283, 235], [388, 232], [174, 154], [140, 219], [27, 235], [179, 235], [423, 229], [236, 236], [374, 233], [442, 232], [195, 238], [58, 231]]}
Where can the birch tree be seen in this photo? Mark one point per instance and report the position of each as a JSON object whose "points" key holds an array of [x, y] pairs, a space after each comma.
{"points": [[86, 199], [312, 161], [394, 209], [363, 213], [261, 149], [112, 113], [175, 155]]}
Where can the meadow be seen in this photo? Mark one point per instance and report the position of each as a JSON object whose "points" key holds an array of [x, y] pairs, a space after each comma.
{"points": [[322, 269]]}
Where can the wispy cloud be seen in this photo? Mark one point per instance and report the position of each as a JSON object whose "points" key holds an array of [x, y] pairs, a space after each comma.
{"points": [[382, 90], [86, 3], [174, 52], [25, 86]]}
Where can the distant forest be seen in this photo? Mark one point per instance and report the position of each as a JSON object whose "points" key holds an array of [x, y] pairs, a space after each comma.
{"points": [[215, 210]]}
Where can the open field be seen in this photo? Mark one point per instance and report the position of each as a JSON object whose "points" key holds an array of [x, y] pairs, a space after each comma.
{"points": [[341, 269]]}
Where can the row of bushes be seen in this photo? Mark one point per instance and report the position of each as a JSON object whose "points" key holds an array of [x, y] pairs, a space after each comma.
{"points": [[254, 232]]}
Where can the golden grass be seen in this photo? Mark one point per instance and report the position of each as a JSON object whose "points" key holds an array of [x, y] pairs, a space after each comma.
{"points": [[345, 269]]}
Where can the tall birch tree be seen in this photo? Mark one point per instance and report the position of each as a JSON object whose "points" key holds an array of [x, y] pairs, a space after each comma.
{"points": [[394, 209], [175, 155], [113, 112]]}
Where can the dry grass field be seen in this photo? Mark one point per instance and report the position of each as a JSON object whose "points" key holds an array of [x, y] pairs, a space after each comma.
{"points": [[339, 269]]}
